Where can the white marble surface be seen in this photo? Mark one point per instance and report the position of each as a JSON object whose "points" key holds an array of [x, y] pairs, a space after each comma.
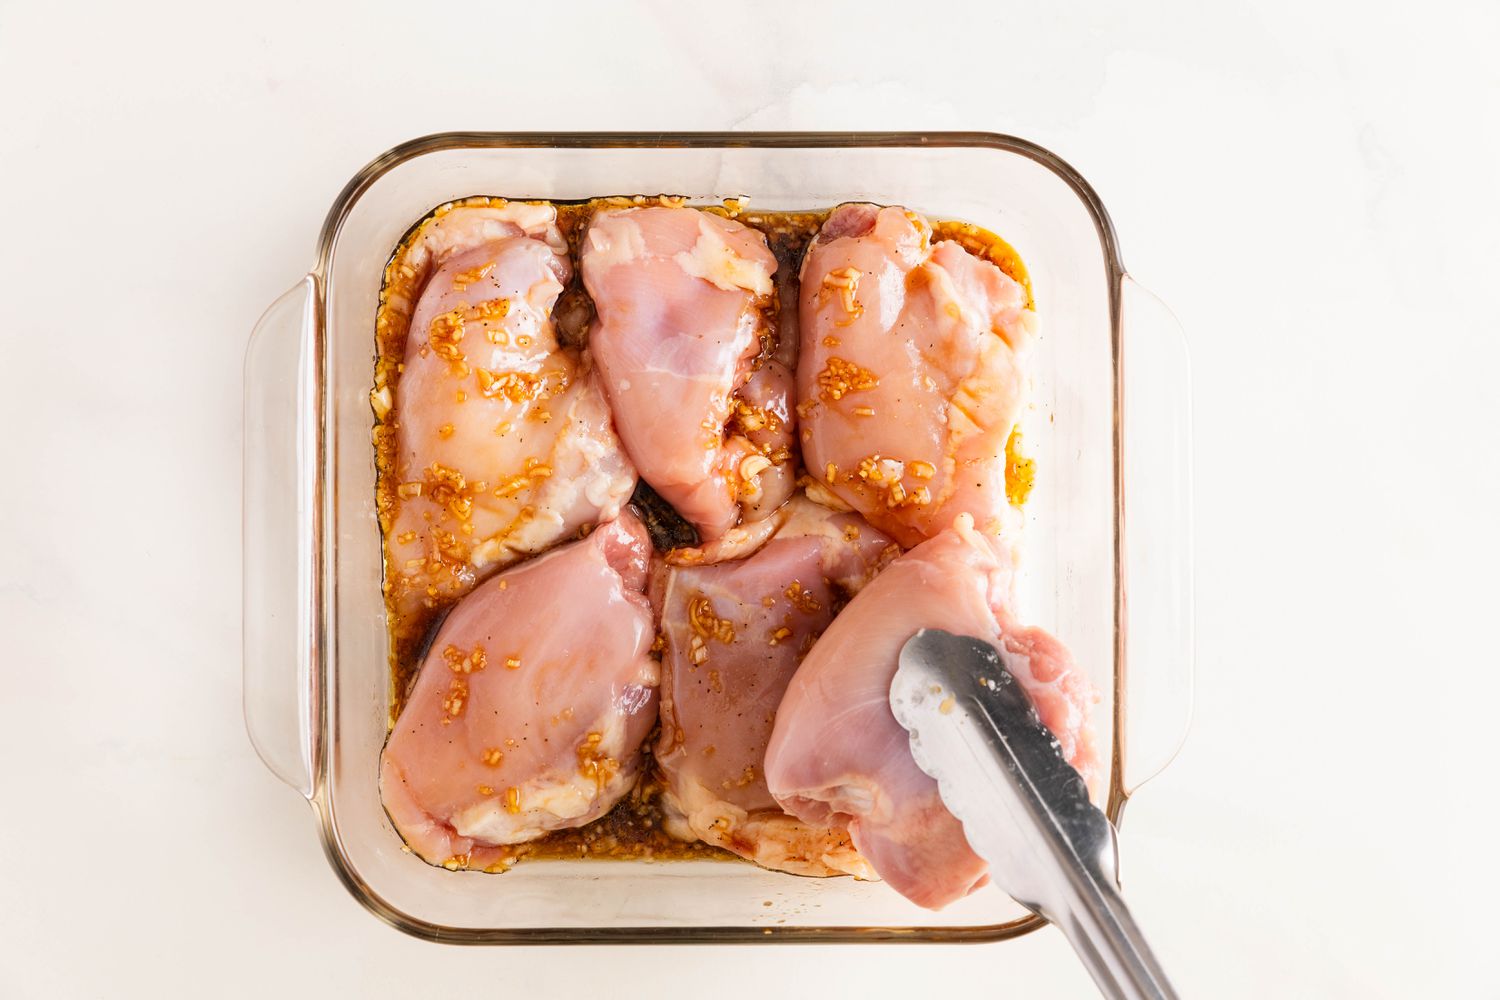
{"points": [[1312, 186]]}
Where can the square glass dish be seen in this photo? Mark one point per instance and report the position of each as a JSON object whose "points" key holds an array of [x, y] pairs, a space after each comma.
{"points": [[1107, 558]]}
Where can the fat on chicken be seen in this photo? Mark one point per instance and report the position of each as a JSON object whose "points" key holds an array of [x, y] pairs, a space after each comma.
{"points": [[504, 439], [734, 634], [683, 340], [837, 756], [530, 708], [909, 377]]}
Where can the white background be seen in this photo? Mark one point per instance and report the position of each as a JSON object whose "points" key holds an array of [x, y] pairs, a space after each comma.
{"points": [[1311, 186]]}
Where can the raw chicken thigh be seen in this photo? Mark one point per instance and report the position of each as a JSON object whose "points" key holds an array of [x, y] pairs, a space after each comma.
{"points": [[735, 633], [682, 340], [837, 755], [467, 226], [505, 443], [530, 709], [908, 381]]}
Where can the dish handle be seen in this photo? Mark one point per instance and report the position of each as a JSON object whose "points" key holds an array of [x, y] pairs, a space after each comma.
{"points": [[280, 550], [1156, 418]]}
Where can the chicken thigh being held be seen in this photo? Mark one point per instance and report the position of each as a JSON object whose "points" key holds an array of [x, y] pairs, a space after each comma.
{"points": [[529, 711], [838, 756]]}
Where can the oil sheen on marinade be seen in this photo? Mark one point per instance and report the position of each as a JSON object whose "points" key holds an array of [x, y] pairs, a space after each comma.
{"points": [[633, 829]]}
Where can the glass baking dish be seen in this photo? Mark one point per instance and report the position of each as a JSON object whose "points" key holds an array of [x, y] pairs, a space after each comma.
{"points": [[1108, 429]]}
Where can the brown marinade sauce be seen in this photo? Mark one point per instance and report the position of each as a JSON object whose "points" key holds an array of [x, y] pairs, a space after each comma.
{"points": [[633, 828]]}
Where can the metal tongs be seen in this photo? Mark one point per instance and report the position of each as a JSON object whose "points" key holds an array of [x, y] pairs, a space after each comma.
{"points": [[1024, 809]]}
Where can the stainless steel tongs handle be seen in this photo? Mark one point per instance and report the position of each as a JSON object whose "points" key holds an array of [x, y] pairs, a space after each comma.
{"points": [[1099, 926], [1024, 809]]}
